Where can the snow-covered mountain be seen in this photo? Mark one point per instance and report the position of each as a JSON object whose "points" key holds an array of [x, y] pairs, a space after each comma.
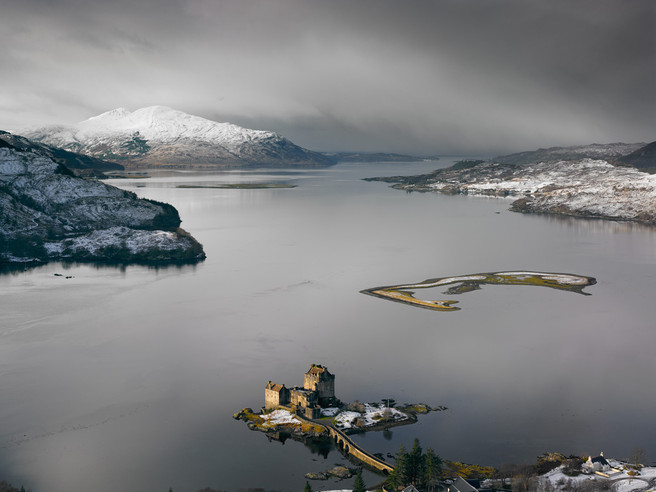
{"points": [[159, 135], [48, 213]]}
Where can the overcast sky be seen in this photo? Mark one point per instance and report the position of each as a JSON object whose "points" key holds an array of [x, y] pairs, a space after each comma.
{"points": [[443, 76]]}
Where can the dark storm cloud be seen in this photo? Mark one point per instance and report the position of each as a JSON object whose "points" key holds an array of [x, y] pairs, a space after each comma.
{"points": [[423, 76]]}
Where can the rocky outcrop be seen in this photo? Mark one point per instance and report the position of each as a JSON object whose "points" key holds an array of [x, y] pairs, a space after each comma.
{"points": [[78, 163], [50, 214], [339, 472]]}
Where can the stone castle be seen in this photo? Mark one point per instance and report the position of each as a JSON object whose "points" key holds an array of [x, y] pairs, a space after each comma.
{"points": [[318, 391]]}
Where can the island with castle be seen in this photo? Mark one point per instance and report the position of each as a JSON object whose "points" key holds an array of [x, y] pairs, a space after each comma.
{"points": [[313, 413]]}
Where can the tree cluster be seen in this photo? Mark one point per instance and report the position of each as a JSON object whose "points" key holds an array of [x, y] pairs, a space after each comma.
{"points": [[417, 468]]}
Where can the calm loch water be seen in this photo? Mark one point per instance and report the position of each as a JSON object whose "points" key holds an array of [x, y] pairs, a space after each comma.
{"points": [[128, 377]]}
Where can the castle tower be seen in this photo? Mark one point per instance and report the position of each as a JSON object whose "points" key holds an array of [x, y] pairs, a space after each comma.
{"points": [[320, 380], [275, 395]]}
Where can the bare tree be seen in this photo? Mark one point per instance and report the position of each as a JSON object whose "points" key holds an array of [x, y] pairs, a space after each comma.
{"points": [[638, 456]]}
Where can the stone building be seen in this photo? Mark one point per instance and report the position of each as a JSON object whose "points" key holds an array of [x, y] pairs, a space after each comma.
{"points": [[302, 397], [318, 390], [275, 395], [305, 401], [319, 379]]}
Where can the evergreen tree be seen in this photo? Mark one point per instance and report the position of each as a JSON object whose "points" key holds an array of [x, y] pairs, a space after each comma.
{"points": [[307, 487], [420, 469], [432, 469], [397, 476], [415, 464], [358, 484]]}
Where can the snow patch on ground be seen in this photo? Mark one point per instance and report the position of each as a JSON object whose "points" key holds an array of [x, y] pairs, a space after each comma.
{"points": [[135, 241], [372, 415], [279, 417], [622, 482]]}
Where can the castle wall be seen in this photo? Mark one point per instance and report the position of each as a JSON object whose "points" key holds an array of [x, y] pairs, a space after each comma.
{"points": [[312, 412], [323, 383], [303, 397], [273, 398]]}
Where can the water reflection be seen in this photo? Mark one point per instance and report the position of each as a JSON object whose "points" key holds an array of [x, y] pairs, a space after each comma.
{"points": [[18, 268], [598, 225]]}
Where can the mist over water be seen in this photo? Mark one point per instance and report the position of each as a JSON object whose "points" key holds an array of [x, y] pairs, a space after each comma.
{"points": [[130, 376]]}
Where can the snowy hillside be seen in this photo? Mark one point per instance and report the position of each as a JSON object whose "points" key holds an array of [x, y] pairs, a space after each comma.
{"points": [[48, 213], [78, 163], [158, 135], [585, 188]]}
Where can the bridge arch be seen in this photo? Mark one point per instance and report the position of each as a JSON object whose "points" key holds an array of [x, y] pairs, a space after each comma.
{"points": [[350, 448]]}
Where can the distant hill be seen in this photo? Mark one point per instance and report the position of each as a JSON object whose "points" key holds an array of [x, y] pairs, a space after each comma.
{"points": [[377, 157], [161, 136], [644, 158], [78, 163], [593, 151]]}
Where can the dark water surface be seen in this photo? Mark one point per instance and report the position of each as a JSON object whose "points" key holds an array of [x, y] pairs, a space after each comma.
{"points": [[128, 378]]}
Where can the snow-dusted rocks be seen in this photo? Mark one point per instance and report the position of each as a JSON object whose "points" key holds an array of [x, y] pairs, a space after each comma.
{"points": [[78, 163], [49, 214], [585, 188], [159, 135]]}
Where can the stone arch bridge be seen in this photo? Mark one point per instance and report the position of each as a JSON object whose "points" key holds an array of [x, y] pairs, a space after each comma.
{"points": [[350, 448]]}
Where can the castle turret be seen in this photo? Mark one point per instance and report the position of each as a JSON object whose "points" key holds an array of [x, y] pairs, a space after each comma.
{"points": [[320, 380]]}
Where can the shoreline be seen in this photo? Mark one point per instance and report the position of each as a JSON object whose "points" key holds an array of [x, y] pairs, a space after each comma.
{"points": [[586, 188]]}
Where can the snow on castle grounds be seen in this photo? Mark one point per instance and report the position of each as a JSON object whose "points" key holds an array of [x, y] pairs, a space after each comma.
{"points": [[373, 414]]}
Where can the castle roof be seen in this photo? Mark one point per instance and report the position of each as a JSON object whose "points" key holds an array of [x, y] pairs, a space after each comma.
{"points": [[275, 387], [301, 390], [316, 369]]}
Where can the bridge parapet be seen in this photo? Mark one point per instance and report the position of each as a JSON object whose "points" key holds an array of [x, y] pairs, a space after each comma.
{"points": [[349, 447]]}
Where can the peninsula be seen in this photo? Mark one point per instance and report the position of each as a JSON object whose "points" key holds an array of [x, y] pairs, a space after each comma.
{"points": [[562, 182]]}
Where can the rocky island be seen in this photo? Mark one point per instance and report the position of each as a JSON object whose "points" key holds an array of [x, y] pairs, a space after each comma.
{"points": [[49, 214], [312, 414], [562, 184], [404, 293]]}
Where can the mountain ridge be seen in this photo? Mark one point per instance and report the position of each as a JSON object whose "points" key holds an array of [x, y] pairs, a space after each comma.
{"points": [[551, 154], [159, 135], [643, 158]]}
